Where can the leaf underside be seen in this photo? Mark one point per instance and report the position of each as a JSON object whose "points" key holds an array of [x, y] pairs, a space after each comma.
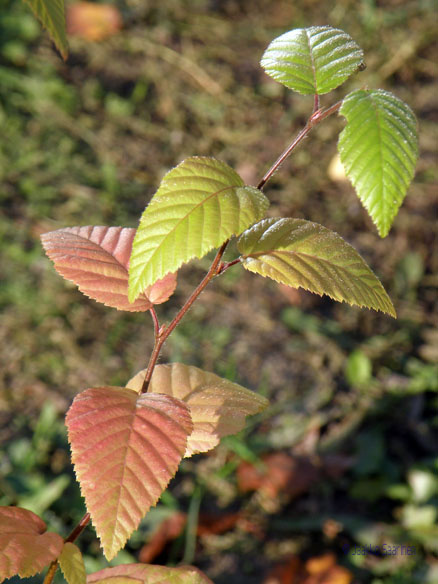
{"points": [[312, 60], [51, 14], [149, 574], [379, 150], [25, 546], [306, 255], [72, 564], [217, 406], [199, 205], [125, 449], [96, 259]]}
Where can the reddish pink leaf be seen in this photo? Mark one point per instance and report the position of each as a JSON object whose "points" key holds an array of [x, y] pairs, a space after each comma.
{"points": [[148, 574], [96, 259], [125, 449], [25, 546]]}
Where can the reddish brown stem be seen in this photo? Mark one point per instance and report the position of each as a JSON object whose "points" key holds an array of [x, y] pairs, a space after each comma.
{"points": [[165, 332], [69, 539], [156, 323], [78, 529], [314, 119]]}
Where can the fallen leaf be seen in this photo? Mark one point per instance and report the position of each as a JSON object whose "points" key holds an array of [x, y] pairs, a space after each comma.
{"points": [[92, 22], [278, 473], [167, 531]]}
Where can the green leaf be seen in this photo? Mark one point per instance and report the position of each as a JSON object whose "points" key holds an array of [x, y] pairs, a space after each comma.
{"points": [[200, 204], [312, 60], [307, 255], [72, 564], [379, 150], [51, 14]]}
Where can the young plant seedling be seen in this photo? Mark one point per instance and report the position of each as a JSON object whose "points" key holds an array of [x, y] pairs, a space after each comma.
{"points": [[127, 442]]}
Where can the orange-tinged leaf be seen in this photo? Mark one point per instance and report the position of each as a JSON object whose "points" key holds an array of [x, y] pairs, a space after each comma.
{"points": [[149, 574], [218, 407], [125, 449], [96, 259], [25, 546], [72, 564], [91, 21]]}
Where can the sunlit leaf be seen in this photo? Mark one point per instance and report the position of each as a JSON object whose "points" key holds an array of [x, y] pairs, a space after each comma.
{"points": [[217, 406], [25, 545], [51, 14], [379, 151], [125, 449], [307, 255], [200, 204], [96, 259], [72, 564], [312, 60], [149, 574]]}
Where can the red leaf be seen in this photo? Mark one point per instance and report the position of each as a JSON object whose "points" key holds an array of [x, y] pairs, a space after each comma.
{"points": [[25, 546], [125, 449], [96, 259]]}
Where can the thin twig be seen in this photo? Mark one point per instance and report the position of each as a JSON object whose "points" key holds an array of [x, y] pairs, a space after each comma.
{"points": [[316, 117], [156, 323], [76, 532], [165, 332]]}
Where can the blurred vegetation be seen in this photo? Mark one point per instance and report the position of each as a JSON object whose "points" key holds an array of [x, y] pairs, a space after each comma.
{"points": [[354, 393]]}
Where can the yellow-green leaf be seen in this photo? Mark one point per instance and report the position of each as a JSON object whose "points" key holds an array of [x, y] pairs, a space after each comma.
{"points": [[51, 14], [200, 204], [306, 255], [379, 151], [72, 564], [312, 60]]}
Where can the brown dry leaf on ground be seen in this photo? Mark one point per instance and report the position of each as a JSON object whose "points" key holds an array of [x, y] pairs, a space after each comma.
{"points": [[209, 524], [317, 570], [168, 530], [93, 22], [278, 473]]}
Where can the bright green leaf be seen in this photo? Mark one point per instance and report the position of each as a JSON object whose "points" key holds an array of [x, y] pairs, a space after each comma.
{"points": [[302, 254], [200, 204], [358, 369], [312, 60], [72, 564], [51, 14], [379, 150]]}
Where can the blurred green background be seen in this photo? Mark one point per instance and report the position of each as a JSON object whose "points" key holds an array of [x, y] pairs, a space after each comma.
{"points": [[353, 393]]}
